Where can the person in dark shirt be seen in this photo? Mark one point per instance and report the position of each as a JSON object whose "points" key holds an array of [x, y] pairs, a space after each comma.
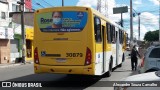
{"points": [[134, 58]]}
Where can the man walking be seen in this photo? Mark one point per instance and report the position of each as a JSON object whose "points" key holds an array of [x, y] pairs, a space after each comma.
{"points": [[134, 59]]}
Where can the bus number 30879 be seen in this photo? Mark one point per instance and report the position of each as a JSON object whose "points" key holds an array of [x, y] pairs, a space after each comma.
{"points": [[74, 55]]}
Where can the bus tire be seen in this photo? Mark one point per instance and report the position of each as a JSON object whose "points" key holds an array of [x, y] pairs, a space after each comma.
{"points": [[108, 74], [123, 58], [120, 65]]}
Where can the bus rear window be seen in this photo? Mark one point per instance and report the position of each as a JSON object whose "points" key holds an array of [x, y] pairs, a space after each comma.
{"points": [[64, 21]]}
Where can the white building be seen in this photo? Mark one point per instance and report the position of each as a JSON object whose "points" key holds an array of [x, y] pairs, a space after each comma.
{"points": [[16, 43], [6, 33]]}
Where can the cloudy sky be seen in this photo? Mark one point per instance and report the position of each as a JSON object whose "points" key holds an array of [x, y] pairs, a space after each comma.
{"points": [[149, 10]]}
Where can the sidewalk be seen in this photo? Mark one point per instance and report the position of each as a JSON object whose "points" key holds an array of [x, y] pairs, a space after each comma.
{"points": [[14, 64]]}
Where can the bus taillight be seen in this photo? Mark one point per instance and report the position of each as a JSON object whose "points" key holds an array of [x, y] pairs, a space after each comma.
{"points": [[88, 57], [36, 58]]}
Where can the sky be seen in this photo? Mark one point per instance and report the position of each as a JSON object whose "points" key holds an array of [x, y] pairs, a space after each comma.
{"points": [[148, 9]]}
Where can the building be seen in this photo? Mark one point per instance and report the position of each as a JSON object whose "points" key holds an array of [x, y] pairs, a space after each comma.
{"points": [[6, 33], [28, 5], [16, 44], [10, 31]]}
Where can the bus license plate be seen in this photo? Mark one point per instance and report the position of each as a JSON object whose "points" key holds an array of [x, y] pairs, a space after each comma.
{"points": [[61, 60]]}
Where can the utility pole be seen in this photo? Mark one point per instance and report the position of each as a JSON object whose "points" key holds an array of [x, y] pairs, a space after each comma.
{"points": [[102, 7], [131, 23], [99, 5], [139, 26], [23, 32], [159, 20], [138, 22], [62, 3], [122, 19]]}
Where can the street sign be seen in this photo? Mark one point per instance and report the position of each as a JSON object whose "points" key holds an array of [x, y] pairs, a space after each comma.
{"points": [[120, 10]]}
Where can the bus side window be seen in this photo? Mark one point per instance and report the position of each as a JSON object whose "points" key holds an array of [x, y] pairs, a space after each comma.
{"points": [[108, 28], [120, 36], [113, 34], [97, 29]]}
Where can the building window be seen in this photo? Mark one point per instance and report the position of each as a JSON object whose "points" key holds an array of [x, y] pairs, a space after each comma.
{"points": [[15, 8], [3, 15], [27, 10], [3, 0]]}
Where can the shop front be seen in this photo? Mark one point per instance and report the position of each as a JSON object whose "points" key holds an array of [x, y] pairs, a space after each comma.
{"points": [[29, 44], [6, 34]]}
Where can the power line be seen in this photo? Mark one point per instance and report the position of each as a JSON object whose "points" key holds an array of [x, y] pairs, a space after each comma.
{"points": [[47, 2], [35, 7], [34, 4], [38, 4]]}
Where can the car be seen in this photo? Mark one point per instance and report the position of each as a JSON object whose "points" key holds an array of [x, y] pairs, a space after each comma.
{"points": [[151, 60], [145, 81]]}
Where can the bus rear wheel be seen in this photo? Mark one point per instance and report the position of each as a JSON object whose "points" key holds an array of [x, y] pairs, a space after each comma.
{"points": [[108, 74], [120, 65]]}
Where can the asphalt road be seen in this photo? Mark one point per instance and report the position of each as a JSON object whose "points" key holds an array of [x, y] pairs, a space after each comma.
{"points": [[78, 82]]}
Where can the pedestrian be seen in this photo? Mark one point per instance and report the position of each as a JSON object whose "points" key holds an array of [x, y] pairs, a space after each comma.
{"points": [[134, 58]]}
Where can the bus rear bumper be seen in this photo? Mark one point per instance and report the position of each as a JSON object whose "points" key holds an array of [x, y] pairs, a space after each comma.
{"points": [[86, 70]]}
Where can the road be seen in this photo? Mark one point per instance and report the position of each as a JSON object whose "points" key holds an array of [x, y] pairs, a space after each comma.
{"points": [[26, 73]]}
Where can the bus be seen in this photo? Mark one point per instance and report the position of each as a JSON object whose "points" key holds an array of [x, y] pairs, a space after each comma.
{"points": [[76, 40]]}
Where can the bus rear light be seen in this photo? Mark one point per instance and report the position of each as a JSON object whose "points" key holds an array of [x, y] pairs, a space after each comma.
{"points": [[88, 57], [36, 58]]}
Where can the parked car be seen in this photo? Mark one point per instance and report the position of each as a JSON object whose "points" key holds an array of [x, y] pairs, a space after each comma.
{"points": [[151, 78], [151, 60]]}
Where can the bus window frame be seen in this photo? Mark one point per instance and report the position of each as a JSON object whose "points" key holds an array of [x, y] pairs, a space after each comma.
{"points": [[116, 36], [113, 34], [120, 36], [97, 31], [127, 37], [108, 28]]}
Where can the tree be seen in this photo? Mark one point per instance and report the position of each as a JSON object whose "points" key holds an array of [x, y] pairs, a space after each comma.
{"points": [[151, 35]]}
